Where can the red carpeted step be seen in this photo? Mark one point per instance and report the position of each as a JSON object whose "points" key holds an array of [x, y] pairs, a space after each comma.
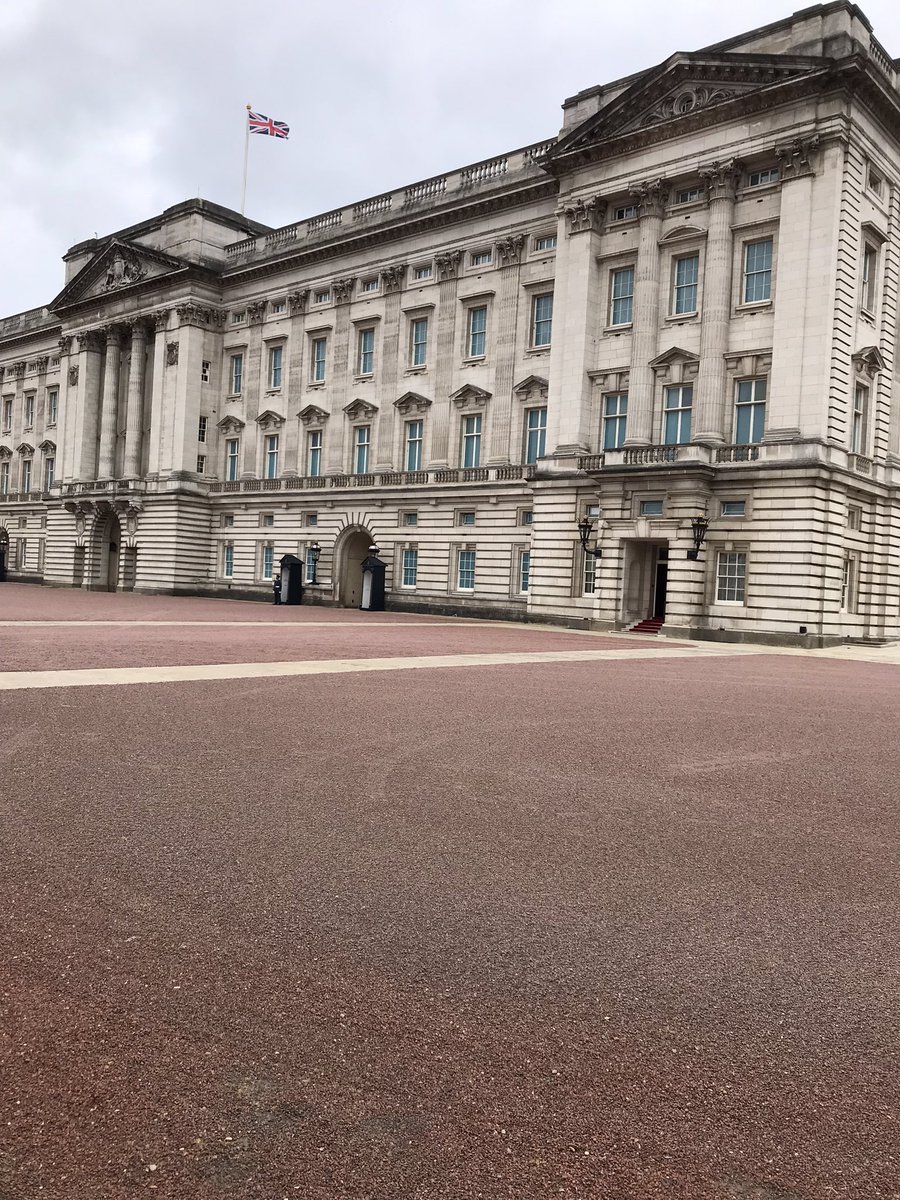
{"points": [[650, 625]]}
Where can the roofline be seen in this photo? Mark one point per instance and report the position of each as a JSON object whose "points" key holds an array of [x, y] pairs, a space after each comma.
{"points": [[210, 208]]}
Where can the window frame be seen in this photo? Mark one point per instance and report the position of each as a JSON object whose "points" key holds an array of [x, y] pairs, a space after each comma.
{"points": [[534, 435], [617, 421], [727, 581], [271, 452], [52, 405], [470, 437], [318, 364], [860, 418], [539, 321], [470, 569], [413, 446], [754, 406], [418, 346], [406, 571], [746, 275], [627, 297], [365, 351], [232, 461], [314, 448], [236, 372], [361, 449], [678, 411], [472, 333], [275, 370], [690, 289], [868, 285]]}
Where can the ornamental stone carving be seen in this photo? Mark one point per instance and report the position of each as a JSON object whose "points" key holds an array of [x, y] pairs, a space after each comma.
{"points": [[193, 314], [868, 361], [230, 425], [392, 278], [510, 249], [360, 408], [64, 343], [256, 310], [412, 402], [161, 318], [171, 354], [794, 158], [298, 300], [343, 289], [312, 415], [124, 270], [722, 178], [584, 214], [91, 339], [270, 420], [689, 100], [651, 196], [470, 396], [73, 375], [448, 264], [18, 370], [40, 364]]}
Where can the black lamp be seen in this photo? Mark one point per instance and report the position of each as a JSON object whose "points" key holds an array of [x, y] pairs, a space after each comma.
{"points": [[314, 551], [584, 532], [699, 526]]}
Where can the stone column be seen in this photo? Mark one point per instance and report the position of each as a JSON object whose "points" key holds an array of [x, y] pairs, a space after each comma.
{"points": [[383, 439], [293, 450], [85, 379], [509, 251], [446, 353], [651, 197], [109, 412], [712, 402], [135, 406], [337, 452]]}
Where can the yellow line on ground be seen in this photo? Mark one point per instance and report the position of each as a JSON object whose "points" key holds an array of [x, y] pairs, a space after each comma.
{"points": [[194, 673]]}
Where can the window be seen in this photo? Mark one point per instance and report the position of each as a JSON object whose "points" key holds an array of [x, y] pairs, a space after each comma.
{"points": [[869, 276], [651, 508], [615, 419], [481, 258], [21, 553], [227, 520], [471, 440], [535, 434], [859, 432], [237, 373], [524, 571], [734, 508], [542, 319], [278, 307], [418, 341], [312, 518], [588, 574], [314, 452], [271, 465], [202, 426], [29, 410], [231, 458], [465, 571], [310, 561], [465, 518], [361, 449], [758, 271], [688, 195], [526, 516], [621, 296], [49, 472], [686, 272], [52, 405], [4, 478], [268, 560], [750, 411], [267, 520], [546, 242], [366, 353], [423, 272], [322, 296], [205, 368], [410, 566], [26, 475], [276, 354], [625, 212], [477, 332], [849, 582], [319, 350], [228, 560], [678, 404], [874, 181], [410, 518], [854, 517], [238, 316], [761, 178], [7, 416], [731, 573], [201, 464], [413, 454]]}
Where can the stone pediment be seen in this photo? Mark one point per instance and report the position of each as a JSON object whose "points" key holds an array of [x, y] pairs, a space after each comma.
{"points": [[5, 452], [25, 449], [470, 396], [269, 419], [684, 87], [675, 365], [230, 425], [411, 402], [47, 447], [118, 267], [360, 408], [531, 385], [313, 415], [869, 361]]}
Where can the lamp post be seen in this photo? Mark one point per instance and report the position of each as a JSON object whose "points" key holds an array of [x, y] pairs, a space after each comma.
{"points": [[584, 532], [314, 551], [699, 526]]}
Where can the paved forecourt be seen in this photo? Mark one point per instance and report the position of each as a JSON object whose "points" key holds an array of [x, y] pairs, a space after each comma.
{"points": [[544, 914]]}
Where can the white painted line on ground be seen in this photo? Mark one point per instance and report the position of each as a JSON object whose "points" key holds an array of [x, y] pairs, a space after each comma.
{"points": [[116, 676], [248, 624]]}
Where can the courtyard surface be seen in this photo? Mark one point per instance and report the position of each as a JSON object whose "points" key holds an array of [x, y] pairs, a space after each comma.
{"points": [[342, 906]]}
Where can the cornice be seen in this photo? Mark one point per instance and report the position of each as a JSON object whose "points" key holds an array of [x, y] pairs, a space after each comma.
{"points": [[32, 335]]}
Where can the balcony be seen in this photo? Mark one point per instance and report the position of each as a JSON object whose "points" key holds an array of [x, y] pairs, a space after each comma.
{"points": [[384, 479], [689, 453]]}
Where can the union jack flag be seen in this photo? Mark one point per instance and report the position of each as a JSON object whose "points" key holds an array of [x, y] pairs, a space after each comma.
{"points": [[266, 126]]}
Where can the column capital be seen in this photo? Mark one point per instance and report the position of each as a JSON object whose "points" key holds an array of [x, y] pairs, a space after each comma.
{"points": [[448, 264], [90, 339], [651, 195], [794, 157], [584, 214], [64, 343], [113, 334], [722, 179], [138, 327]]}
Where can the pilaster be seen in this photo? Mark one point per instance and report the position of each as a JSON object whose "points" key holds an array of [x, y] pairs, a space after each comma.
{"points": [[651, 196], [509, 252], [447, 266]]}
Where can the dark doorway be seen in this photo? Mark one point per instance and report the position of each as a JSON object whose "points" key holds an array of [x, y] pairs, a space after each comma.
{"points": [[660, 583]]}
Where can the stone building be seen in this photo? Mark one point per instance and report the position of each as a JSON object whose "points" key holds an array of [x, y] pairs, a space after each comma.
{"points": [[683, 306]]}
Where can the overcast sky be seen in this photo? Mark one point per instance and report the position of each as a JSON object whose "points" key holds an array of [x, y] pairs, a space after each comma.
{"points": [[116, 109]]}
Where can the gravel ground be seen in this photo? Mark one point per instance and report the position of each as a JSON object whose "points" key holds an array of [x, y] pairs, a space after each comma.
{"points": [[616, 930]]}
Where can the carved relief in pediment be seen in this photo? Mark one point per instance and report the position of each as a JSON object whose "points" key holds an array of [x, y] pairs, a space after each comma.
{"points": [[270, 419], [411, 402], [470, 396], [360, 408], [312, 415]]}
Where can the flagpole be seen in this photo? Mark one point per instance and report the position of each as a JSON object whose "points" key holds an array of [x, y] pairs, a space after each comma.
{"points": [[246, 155]]}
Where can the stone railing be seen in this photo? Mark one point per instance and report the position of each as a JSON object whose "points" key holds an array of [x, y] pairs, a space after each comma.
{"points": [[639, 456], [882, 59], [859, 462], [432, 191], [591, 462], [384, 479], [742, 453]]}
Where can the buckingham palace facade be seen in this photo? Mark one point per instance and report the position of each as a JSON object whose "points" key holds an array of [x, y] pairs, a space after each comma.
{"points": [[674, 323]]}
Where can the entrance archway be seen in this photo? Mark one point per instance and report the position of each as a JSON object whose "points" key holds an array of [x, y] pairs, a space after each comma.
{"points": [[108, 543], [351, 549]]}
